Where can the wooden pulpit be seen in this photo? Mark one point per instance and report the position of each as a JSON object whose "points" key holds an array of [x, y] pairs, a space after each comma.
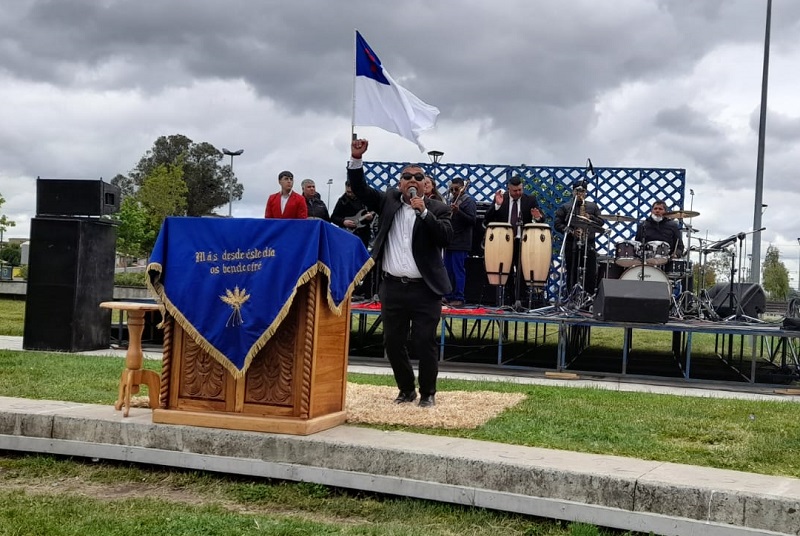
{"points": [[296, 384]]}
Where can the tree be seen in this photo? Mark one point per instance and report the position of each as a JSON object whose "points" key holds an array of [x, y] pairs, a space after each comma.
{"points": [[708, 280], [5, 223], [163, 193], [125, 184], [11, 254], [135, 234], [209, 185], [775, 275]]}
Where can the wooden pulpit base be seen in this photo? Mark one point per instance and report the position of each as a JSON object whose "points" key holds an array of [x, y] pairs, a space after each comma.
{"points": [[296, 384]]}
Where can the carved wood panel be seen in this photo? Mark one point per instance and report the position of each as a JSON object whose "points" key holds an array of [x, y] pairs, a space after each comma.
{"points": [[202, 376]]}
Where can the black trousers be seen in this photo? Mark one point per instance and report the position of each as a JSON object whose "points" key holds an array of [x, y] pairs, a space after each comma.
{"points": [[573, 252], [415, 307]]}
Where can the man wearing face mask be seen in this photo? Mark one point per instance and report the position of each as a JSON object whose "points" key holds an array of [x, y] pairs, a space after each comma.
{"points": [[412, 232], [657, 227]]}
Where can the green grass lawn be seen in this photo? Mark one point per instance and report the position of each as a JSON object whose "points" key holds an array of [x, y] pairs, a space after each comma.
{"points": [[755, 436], [38, 496]]}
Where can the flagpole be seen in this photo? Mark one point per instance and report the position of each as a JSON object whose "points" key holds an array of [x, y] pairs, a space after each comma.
{"points": [[353, 107]]}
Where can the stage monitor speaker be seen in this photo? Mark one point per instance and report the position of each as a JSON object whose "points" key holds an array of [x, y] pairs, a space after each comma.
{"points": [[750, 296], [71, 271], [76, 197], [622, 300]]}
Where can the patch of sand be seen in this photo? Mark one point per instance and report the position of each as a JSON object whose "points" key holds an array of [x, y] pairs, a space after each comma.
{"points": [[373, 404]]}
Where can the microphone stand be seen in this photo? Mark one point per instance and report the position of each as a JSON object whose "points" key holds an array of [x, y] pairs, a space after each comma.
{"points": [[558, 307], [739, 315]]}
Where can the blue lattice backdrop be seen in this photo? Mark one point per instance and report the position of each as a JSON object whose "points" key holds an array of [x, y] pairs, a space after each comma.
{"points": [[621, 191]]}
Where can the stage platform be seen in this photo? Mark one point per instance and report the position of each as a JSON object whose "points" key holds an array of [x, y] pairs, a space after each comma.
{"points": [[575, 342]]}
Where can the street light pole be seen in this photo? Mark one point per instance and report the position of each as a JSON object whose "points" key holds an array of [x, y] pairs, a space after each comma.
{"points": [[230, 186], [436, 157], [330, 181], [798, 267]]}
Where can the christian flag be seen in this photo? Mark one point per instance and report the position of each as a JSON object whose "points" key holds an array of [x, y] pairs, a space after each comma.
{"points": [[379, 101]]}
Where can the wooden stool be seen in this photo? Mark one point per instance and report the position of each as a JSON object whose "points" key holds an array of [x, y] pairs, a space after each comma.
{"points": [[134, 375]]}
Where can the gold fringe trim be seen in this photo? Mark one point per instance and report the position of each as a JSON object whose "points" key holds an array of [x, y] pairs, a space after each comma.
{"points": [[156, 287], [337, 309]]}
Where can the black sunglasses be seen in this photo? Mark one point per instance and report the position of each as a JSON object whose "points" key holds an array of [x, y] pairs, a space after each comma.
{"points": [[409, 176]]}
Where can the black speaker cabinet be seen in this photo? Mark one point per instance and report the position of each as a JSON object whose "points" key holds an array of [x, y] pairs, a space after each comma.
{"points": [[622, 300], [76, 197], [70, 271], [750, 296]]}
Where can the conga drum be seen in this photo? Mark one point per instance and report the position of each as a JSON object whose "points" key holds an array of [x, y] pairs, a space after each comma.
{"points": [[498, 252], [536, 252]]}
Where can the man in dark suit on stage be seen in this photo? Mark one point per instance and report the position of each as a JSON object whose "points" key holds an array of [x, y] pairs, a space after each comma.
{"points": [[516, 208], [412, 232], [580, 239]]}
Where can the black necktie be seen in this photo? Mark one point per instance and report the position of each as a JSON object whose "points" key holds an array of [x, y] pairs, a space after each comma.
{"points": [[514, 215]]}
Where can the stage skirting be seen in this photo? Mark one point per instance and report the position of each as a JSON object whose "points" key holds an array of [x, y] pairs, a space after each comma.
{"points": [[562, 342]]}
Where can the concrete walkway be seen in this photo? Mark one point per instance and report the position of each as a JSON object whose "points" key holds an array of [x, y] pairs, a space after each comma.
{"points": [[608, 491]]}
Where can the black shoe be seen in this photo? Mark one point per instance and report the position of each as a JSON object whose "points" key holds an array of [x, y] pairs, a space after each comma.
{"points": [[427, 401], [405, 397]]}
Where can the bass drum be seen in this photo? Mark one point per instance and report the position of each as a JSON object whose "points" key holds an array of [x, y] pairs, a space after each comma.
{"points": [[498, 252], [536, 252], [647, 273]]}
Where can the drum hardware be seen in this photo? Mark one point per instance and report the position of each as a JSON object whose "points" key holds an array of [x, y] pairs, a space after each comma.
{"points": [[561, 307], [616, 218], [681, 214]]}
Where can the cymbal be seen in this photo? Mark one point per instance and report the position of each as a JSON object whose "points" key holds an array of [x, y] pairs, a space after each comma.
{"points": [[616, 217], [585, 223], [681, 214]]}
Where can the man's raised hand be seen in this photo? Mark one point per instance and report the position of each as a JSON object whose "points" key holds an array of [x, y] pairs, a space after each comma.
{"points": [[358, 148]]}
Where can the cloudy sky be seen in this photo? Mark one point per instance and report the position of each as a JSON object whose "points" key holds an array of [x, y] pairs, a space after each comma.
{"points": [[87, 86]]}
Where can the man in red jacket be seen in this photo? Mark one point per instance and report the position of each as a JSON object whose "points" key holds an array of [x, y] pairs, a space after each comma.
{"points": [[286, 204]]}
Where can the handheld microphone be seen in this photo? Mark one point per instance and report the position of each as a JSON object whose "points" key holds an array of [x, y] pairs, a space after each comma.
{"points": [[412, 192]]}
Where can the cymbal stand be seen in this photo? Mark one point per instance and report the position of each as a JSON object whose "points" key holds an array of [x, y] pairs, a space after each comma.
{"points": [[558, 307], [705, 306], [578, 297]]}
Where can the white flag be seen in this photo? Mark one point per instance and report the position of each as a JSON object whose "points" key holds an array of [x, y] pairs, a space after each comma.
{"points": [[381, 102]]}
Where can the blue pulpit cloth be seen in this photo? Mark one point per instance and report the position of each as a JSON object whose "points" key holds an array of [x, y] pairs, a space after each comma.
{"points": [[230, 282]]}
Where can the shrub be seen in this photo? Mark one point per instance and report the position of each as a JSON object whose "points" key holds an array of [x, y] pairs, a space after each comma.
{"points": [[129, 279]]}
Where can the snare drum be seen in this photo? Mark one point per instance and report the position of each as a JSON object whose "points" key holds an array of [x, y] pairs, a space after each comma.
{"points": [[627, 253], [498, 252], [677, 268], [536, 252], [656, 252], [647, 273]]}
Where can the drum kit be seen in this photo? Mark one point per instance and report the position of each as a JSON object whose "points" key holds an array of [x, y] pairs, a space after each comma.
{"points": [[654, 261], [631, 260]]}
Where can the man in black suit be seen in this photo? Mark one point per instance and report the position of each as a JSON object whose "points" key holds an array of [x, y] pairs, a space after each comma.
{"points": [[580, 239], [412, 232], [517, 208]]}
